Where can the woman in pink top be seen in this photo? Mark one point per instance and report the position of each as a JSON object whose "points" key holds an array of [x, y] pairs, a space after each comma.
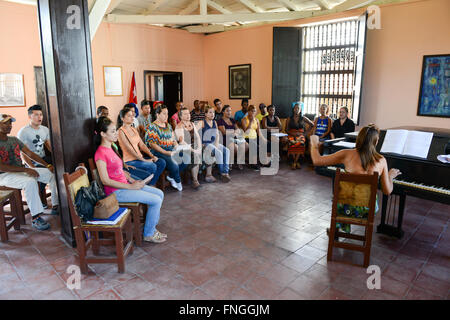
{"points": [[126, 189], [175, 119]]}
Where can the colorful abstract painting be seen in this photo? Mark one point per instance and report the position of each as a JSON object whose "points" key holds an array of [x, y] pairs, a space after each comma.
{"points": [[434, 86]]}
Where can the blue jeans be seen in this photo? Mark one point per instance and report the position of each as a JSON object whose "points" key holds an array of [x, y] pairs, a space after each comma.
{"points": [[150, 196], [222, 155], [173, 167], [144, 169]]}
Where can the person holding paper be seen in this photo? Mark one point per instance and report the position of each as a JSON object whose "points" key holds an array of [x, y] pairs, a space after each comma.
{"points": [[342, 125], [131, 144], [272, 124], [364, 159], [214, 149], [234, 141], [253, 136], [126, 189], [187, 134]]}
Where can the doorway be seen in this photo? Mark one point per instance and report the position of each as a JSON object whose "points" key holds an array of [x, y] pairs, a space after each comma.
{"points": [[164, 86]]}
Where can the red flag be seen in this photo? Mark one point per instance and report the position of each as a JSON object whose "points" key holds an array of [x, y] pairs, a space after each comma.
{"points": [[133, 94]]}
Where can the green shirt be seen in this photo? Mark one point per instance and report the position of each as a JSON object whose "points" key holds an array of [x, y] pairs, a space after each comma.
{"points": [[10, 151]]}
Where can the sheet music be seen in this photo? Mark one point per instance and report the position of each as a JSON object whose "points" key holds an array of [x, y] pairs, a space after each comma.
{"points": [[418, 143], [394, 141], [411, 143]]}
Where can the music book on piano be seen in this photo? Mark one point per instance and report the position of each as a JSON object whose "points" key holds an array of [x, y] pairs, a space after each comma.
{"points": [[407, 142]]}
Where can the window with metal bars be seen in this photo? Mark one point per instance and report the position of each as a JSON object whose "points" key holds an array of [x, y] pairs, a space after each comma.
{"points": [[329, 67]]}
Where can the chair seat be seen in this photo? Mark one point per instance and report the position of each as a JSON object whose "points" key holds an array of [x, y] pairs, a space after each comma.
{"points": [[119, 224], [5, 195], [362, 222]]}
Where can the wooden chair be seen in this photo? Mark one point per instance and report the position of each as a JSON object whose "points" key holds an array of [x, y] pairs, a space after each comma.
{"points": [[352, 190], [9, 219], [73, 183], [21, 211], [135, 207]]}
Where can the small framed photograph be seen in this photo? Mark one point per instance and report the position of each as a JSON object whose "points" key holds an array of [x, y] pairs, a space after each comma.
{"points": [[12, 92], [240, 81], [434, 99], [112, 81]]}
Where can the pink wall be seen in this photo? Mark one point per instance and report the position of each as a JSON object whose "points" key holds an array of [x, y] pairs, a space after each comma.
{"points": [[394, 62], [392, 70], [20, 52], [140, 47], [252, 45]]}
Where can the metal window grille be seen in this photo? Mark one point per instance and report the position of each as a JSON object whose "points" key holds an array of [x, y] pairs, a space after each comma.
{"points": [[328, 59]]}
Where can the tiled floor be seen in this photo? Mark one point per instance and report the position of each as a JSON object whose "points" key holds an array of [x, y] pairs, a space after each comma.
{"points": [[258, 237]]}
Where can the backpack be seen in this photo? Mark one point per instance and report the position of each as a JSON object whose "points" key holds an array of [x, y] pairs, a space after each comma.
{"points": [[85, 200]]}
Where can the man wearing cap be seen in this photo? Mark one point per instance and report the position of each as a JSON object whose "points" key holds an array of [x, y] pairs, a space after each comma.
{"points": [[14, 175]]}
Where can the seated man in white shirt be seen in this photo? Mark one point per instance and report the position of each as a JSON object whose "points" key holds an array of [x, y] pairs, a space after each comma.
{"points": [[37, 138]]}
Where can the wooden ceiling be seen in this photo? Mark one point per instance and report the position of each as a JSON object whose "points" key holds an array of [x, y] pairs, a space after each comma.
{"points": [[209, 16]]}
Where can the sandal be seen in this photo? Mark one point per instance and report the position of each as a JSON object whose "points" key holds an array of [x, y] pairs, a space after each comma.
{"points": [[195, 184], [163, 235], [156, 238], [210, 179]]}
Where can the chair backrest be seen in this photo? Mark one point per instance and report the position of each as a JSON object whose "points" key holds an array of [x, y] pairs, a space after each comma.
{"points": [[283, 124], [357, 191], [94, 172], [73, 182]]}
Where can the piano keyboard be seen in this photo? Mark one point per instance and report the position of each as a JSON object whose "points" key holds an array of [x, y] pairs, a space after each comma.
{"points": [[413, 185]]}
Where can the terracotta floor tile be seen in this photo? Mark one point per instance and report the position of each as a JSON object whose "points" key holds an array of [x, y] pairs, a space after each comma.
{"points": [[394, 287], [437, 272], [263, 287], [308, 288], [219, 288], [133, 288], [159, 275], [90, 285], [298, 263], [417, 293], [104, 295], [289, 294], [238, 272], [333, 294], [217, 263], [400, 273], [432, 285], [379, 295], [198, 275], [281, 274], [18, 293]]}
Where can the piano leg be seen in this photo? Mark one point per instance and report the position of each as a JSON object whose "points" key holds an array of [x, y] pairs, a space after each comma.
{"points": [[391, 230]]}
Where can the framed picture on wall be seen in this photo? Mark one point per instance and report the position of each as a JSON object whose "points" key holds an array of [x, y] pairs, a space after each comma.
{"points": [[435, 86], [12, 92], [112, 81], [240, 81]]}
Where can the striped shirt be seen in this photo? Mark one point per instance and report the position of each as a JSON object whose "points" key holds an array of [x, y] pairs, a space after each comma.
{"points": [[160, 136], [197, 116]]}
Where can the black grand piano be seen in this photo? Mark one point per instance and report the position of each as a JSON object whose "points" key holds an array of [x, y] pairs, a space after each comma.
{"points": [[423, 178]]}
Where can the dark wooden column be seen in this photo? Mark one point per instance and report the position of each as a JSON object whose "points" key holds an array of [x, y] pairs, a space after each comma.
{"points": [[67, 63]]}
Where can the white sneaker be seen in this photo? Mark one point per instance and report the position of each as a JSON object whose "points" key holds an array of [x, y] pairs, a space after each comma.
{"points": [[179, 186], [172, 182]]}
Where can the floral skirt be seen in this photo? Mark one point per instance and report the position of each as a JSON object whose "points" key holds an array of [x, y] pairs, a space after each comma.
{"points": [[350, 211], [296, 144]]}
